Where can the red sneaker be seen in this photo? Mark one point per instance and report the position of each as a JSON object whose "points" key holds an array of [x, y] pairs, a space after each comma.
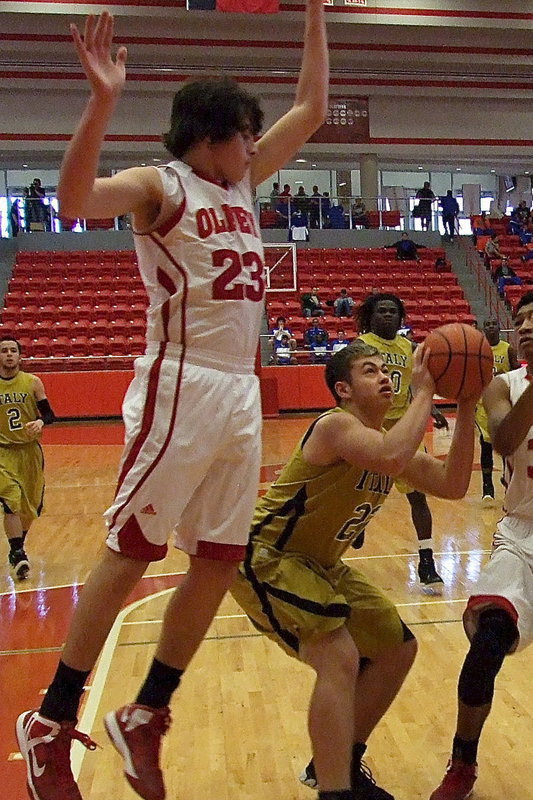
{"points": [[136, 733], [45, 747], [458, 782]]}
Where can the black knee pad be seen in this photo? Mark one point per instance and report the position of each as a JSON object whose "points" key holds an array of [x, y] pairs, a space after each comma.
{"points": [[490, 644]]}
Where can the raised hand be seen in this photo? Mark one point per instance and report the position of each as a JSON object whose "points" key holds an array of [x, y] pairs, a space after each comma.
{"points": [[421, 379], [106, 76]]}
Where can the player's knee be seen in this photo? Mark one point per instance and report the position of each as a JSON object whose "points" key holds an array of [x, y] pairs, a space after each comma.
{"points": [[495, 636], [405, 653], [334, 655]]}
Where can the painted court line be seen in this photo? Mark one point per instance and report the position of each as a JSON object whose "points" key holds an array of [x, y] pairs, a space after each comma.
{"points": [[413, 555], [100, 676], [244, 616], [70, 585]]}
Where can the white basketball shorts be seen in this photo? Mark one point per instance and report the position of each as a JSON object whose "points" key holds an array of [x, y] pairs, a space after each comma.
{"points": [[507, 580], [190, 464]]}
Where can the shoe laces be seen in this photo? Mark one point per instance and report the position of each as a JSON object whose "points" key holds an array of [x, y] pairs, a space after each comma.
{"points": [[70, 731], [162, 720], [366, 773]]}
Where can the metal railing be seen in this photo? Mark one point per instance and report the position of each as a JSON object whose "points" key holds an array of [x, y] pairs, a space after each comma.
{"points": [[348, 212]]}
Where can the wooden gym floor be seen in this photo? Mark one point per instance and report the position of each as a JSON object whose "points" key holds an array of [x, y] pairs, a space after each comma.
{"points": [[239, 719]]}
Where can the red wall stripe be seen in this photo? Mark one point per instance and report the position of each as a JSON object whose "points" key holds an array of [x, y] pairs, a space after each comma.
{"points": [[279, 80], [170, 41], [115, 137]]}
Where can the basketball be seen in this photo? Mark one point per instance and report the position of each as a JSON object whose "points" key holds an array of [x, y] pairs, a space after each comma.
{"points": [[460, 360]]}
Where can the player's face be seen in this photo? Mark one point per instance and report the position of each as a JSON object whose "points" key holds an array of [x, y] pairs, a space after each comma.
{"points": [[371, 383], [523, 323], [232, 158], [491, 328], [9, 356], [385, 319]]}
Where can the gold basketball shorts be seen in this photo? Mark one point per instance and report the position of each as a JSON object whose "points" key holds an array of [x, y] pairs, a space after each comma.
{"points": [[292, 599], [22, 479]]}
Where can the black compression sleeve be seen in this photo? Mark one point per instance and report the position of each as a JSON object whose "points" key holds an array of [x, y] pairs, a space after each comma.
{"points": [[45, 410]]}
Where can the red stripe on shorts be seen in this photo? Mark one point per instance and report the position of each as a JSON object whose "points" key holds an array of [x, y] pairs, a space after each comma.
{"points": [[479, 600], [151, 398], [133, 543], [221, 552], [148, 418]]}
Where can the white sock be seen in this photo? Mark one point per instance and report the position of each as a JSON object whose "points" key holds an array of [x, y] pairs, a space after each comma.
{"points": [[425, 544]]}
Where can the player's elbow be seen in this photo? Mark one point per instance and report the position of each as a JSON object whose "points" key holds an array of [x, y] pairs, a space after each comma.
{"points": [[67, 206], [315, 113], [455, 492], [394, 465]]}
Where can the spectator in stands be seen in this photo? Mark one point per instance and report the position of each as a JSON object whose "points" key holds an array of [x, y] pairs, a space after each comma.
{"points": [[315, 204], [406, 249], [300, 201], [310, 336], [336, 216], [359, 216], [311, 305], [280, 330], [521, 213], [326, 208], [343, 305], [442, 265], [504, 276], [450, 211], [481, 226], [284, 349], [284, 206], [36, 193], [274, 195], [298, 231], [492, 249], [14, 218], [340, 342], [320, 349], [425, 198], [481, 223]]}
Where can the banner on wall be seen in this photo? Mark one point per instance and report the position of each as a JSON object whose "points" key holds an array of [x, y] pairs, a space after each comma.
{"points": [[236, 6], [355, 2], [346, 123], [471, 199]]}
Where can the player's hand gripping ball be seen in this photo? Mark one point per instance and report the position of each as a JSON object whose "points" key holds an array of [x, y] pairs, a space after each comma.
{"points": [[460, 361]]}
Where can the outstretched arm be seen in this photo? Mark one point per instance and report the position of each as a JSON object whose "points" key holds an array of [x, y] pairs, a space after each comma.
{"points": [[80, 192], [309, 111]]}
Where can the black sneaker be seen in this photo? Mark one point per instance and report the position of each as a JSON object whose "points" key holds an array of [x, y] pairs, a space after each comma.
{"points": [[427, 572], [19, 563], [308, 776], [364, 786]]}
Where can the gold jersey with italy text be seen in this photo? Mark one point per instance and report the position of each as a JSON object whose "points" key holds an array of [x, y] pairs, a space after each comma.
{"points": [[397, 354], [500, 354], [318, 511], [501, 366], [17, 407]]}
